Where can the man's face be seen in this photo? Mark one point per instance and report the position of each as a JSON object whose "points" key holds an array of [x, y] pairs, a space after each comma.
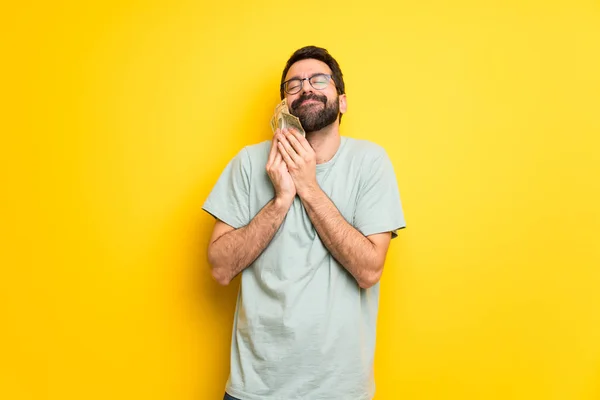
{"points": [[315, 108]]}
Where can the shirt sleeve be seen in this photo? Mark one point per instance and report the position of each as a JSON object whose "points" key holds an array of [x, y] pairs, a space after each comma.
{"points": [[229, 199], [378, 207]]}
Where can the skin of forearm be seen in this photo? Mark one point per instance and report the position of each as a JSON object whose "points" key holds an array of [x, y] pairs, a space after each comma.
{"points": [[232, 252], [348, 246]]}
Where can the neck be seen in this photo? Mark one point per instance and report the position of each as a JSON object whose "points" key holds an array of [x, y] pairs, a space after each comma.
{"points": [[325, 142]]}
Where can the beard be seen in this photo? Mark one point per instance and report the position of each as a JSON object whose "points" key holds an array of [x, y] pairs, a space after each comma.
{"points": [[311, 116]]}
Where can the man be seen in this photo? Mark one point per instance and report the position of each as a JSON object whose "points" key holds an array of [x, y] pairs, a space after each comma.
{"points": [[307, 221]]}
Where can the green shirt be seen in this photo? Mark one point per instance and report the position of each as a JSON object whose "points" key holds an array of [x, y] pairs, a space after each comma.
{"points": [[303, 328]]}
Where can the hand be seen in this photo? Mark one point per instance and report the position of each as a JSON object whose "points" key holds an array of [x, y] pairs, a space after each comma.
{"points": [[278, 173], [300, 159]]}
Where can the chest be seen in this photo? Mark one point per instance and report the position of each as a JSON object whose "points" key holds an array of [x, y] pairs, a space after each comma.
{"points": [[341, 185]]}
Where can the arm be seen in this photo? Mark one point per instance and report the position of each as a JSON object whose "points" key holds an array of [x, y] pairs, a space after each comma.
{"points": [[231, 250], [363, 256]]}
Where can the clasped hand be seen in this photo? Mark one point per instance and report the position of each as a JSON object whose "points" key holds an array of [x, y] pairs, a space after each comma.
{"points": [[292, 164]]}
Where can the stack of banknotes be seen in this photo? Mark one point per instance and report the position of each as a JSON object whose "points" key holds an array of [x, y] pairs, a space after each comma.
{"points": [[282, 119]]}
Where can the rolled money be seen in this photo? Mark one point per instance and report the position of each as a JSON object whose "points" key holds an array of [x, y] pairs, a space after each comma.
{"points": [[282, 119]]}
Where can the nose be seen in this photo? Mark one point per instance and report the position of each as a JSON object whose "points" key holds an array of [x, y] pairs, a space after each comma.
{"points": [[306, 86]]}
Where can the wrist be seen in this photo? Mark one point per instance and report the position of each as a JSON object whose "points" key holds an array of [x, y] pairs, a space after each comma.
{"points": [[283, 202], [309, 191]]}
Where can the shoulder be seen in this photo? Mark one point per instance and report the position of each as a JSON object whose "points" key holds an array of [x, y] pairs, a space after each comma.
{"points": [[257, 152], [365, 150], [367, 159], [252, 154]]}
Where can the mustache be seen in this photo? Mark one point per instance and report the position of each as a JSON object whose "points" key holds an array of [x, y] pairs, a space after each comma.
{"points": [[308, 96]]}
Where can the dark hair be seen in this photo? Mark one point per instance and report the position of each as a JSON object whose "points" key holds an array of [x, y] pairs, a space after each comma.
{"points": [[320, 54]]}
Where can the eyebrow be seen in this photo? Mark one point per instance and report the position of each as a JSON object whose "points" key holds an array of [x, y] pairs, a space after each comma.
{"points": [[316, 73]]}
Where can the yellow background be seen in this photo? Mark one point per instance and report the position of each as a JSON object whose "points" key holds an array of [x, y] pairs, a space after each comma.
{"points": [[117, 118]]}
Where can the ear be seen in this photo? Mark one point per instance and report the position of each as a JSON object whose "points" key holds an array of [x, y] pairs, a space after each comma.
{"points": [[343, 104]]}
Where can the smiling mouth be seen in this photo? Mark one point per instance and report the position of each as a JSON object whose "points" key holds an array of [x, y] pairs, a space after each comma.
{"points": [[310, 101]]}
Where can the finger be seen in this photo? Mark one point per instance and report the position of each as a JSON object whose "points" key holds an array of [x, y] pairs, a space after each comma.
{"points": [[301, 140], [277, 159], [298, 148], [280, 163], [288, 147], [284, 154], [273, 150]]}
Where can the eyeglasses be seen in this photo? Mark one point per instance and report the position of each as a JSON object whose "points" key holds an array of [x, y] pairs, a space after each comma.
{"points": [[317, 81]]}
